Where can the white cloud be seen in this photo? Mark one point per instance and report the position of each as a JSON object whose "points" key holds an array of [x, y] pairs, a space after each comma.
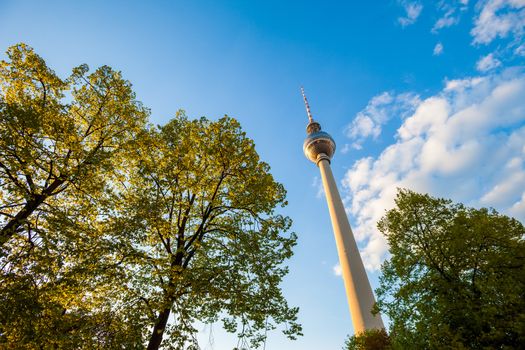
{"points": [[520, 50], [498, 18], [451, 12], [336, 269], [459, 85], [318, 185], [346, 148], [499, 194], [438, 49], [413, 10], [365, 126], [381, 108], [487, 63], [518, 208], [465, 143], [448, 20]]}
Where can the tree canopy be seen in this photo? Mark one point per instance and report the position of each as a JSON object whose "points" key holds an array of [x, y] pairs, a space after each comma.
{"points": [[207, 240], [59, 139], [456, 276], [118, 234]]}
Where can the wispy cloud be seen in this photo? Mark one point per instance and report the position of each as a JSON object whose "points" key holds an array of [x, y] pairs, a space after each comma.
{"points": [[464, 143], [520, 50], [318, 185], [438, 49], [346, 148], [412, 11], [451, 12], [459, 85], [449, 19], [487, 63], [381, 108]]}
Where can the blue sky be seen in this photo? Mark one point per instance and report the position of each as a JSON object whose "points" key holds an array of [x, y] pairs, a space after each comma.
{"points": [[424, 95]]}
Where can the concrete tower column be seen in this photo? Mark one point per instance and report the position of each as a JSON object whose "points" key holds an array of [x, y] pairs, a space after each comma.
{"points": [[319, 147], [358, 291]]}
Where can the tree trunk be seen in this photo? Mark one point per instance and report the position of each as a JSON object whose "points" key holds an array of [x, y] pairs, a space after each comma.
{"points": [[158, 329]]}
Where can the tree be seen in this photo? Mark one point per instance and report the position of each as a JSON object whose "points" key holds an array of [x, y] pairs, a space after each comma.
{"points": [[58, 143], [208, 243], [456, 276]]}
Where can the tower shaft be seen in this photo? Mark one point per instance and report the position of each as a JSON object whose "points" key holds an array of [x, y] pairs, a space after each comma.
{"points": [[358, 290]]}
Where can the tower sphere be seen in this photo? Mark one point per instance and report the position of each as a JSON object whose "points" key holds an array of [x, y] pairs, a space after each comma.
{"points": [[317, 142]]}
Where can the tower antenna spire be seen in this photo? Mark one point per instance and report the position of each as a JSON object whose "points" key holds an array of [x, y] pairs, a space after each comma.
{"points": [[310, 118]]}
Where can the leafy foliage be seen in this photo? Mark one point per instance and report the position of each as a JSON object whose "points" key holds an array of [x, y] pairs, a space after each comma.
{"points": [[207, 240], [372, 339], [58, 142], [115, 234], [456, 277], [50, 142]]}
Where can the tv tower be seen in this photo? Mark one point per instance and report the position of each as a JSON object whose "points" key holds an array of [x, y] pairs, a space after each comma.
{"points": [[319, 147]]}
